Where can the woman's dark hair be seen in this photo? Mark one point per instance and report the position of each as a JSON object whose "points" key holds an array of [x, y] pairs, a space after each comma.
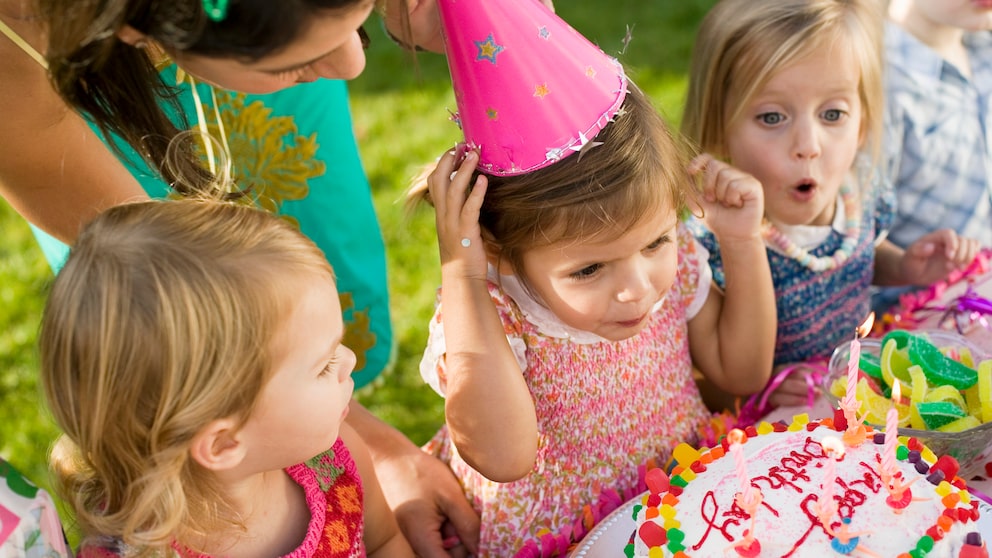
{"points": [[119, 88]]}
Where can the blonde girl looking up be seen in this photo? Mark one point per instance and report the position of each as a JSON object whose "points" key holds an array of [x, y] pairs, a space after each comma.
{"points": [[572, 305], [789, 92], [191, 353]]}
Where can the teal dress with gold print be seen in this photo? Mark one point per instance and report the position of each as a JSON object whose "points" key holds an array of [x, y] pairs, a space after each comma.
{"points": [[297, 151]]}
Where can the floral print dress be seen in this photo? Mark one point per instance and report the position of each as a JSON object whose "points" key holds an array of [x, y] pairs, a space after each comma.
{"points": [[605, 411]]}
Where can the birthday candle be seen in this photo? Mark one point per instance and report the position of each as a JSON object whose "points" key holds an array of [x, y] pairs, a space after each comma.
{"points": [[833, 448], [853, 365], [736, 437], [891, 432], [854, 362]]}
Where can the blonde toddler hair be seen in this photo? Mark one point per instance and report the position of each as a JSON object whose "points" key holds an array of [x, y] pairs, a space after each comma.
{"points": [[159, 323]]}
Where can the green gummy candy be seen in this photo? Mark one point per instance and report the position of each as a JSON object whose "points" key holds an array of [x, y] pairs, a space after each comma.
{"points": [[939, 369], [938, 413], [870, 365], [901, 336]]}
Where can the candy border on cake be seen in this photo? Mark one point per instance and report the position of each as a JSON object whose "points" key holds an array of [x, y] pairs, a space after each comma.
{"points": [[959, 506]]}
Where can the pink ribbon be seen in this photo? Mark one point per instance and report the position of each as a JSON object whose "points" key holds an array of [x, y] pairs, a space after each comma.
{"points": [[970, 305], [757, 405]]}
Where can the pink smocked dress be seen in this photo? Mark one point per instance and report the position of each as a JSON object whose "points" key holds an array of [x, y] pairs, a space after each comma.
{"points": [[605, 411]]}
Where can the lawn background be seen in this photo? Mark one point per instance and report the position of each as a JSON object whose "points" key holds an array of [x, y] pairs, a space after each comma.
{"points": [[400, 107]]}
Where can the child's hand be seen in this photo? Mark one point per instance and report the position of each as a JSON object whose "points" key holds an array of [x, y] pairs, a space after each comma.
{"points": [[935, 254], [732, 199], [456, 207], [795, 388]]}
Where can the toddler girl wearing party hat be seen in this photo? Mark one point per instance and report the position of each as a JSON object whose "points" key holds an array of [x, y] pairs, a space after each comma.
{"points": [[573, 301]]}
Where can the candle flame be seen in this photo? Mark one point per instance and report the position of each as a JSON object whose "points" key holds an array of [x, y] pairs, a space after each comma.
{"points": [[832, 447], [896, 392], [736, 436], [865, 327]]}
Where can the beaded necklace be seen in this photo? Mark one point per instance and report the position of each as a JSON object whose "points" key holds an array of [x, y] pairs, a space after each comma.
{"points": [[852, 230]]}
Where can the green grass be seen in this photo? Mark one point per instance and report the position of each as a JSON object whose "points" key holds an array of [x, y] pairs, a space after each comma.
{"points": [[401, 121]]}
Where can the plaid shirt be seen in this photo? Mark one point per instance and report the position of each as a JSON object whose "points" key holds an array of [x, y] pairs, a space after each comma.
{"points": [[936, 148]]}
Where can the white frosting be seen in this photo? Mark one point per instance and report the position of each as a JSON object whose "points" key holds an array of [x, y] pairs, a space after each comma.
{"points": [[789, 471]]}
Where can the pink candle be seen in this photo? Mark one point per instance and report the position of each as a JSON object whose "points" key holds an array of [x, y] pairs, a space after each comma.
{"points": [[854, 362], [833, 448], [891, 432], [853, 365], [736, 437]]}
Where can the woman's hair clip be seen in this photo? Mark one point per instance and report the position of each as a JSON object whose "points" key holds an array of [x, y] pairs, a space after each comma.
{"points": [[216, 9]]}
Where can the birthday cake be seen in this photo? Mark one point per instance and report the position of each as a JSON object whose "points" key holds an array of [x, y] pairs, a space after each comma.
{"points": [[916, 507]]}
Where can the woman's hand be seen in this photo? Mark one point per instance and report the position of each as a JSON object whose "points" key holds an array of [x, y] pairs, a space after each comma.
{"points": [[430, 507]]}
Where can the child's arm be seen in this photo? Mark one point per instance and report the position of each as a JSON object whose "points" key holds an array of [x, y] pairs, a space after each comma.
{"points": [[924, 262], [488, 407], [732, 338], [382, 533]]}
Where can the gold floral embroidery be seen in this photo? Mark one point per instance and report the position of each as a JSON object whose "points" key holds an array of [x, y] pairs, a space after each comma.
{"points": [[274, 163], [269, 156], [357, 335]]}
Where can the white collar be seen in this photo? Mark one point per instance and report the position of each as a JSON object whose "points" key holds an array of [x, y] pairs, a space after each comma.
{"points": [[808, 237]]}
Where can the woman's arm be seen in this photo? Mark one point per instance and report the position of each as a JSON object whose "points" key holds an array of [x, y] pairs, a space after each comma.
{"points": [[382, 534], [54, 170], [420, 489]]}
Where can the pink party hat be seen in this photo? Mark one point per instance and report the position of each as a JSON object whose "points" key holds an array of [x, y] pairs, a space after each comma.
{"points": [[530, 89]]}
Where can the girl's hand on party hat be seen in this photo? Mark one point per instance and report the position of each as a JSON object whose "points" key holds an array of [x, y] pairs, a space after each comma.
{"points": [[732, 200], [456, 209]]}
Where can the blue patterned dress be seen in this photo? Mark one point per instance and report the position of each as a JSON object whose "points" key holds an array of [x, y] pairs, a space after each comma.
{"points": [[817, 311]]}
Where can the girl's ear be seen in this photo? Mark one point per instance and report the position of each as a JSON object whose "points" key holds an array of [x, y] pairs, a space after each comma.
{"points": [[217, 446], [131, 36]]}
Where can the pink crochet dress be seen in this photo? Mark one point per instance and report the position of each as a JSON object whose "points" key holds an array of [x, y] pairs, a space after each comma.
{"points": [[605, 410], [334, 494]]}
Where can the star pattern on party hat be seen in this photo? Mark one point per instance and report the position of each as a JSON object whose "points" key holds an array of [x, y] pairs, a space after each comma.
{"points": [[488, 49], [530, 89]]}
